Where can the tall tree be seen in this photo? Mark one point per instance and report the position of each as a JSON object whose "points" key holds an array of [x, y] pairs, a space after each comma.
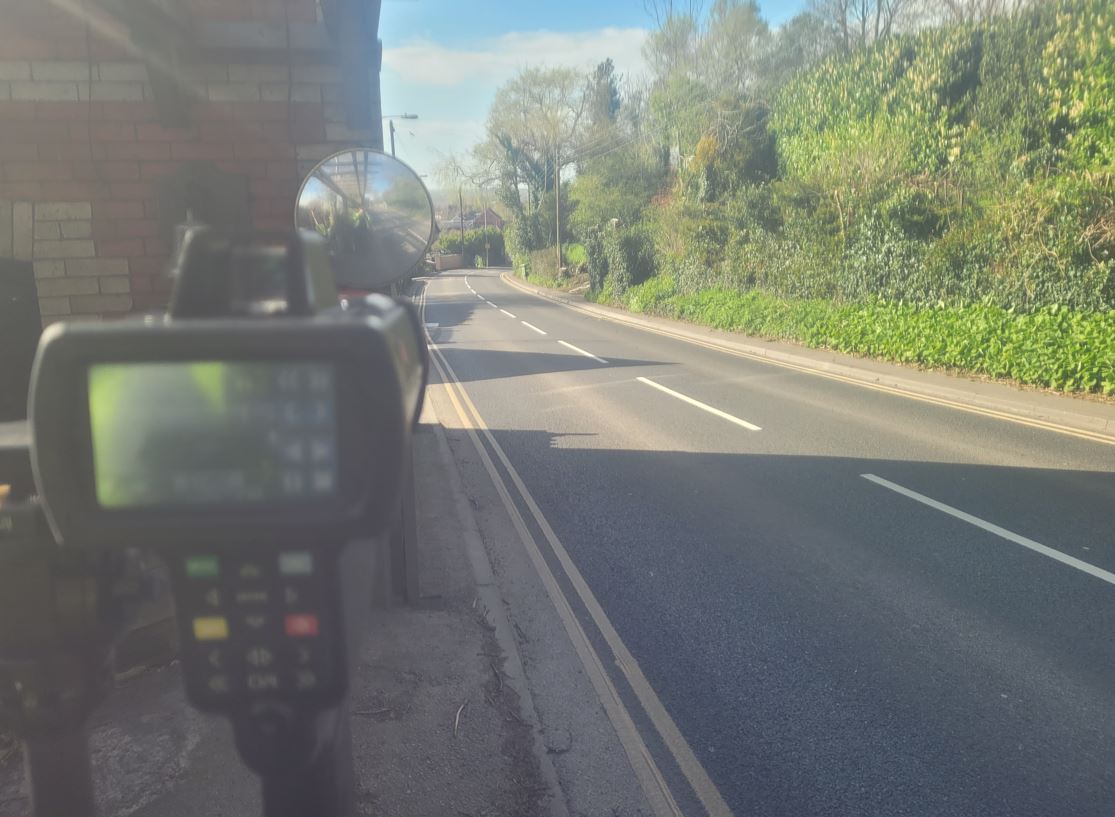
{"points": [[857, 23]]}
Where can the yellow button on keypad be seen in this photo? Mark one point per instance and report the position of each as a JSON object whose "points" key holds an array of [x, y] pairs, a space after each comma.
{"points": [[211, 628]]}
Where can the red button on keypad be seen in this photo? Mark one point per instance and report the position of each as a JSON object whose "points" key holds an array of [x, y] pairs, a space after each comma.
{"points": [[301, 625]]}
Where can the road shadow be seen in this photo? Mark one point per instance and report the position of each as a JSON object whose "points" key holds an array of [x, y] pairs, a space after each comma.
{"points": [[829, 646]]}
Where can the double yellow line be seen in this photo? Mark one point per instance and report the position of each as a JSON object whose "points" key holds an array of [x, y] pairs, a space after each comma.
{"points": [[650, 777]]}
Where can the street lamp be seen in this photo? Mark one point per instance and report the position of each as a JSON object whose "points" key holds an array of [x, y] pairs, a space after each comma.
{"points": [[391, 125]]}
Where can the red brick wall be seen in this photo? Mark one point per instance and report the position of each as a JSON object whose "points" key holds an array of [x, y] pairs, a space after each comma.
{"points": [[81, 146]]}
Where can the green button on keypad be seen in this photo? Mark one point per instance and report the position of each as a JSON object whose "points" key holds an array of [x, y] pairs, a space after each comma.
{"points": [[203, 567]]}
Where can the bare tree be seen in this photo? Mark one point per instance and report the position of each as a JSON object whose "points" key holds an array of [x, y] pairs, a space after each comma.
{"points": [[979, 11], [861, 22]]}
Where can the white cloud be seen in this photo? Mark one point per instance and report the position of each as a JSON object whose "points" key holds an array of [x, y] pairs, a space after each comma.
{"points": [[496, 60]]}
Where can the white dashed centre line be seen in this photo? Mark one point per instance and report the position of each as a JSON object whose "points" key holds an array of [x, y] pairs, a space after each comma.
{"points": [[702, 406], [532, 326], [581, 351], [508, 314], [1003, 533]]}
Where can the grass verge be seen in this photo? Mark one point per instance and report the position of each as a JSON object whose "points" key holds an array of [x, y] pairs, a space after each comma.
{"points": [[1053, 347]]}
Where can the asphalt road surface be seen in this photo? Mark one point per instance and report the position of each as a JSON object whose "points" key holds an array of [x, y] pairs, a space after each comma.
{"points": [[849, 602]]}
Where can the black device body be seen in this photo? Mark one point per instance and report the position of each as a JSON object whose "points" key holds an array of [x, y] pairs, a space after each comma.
{"points": [[270, 565]]}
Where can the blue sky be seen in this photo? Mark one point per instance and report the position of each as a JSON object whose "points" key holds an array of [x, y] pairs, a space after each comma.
{"points": [[444, 60]]}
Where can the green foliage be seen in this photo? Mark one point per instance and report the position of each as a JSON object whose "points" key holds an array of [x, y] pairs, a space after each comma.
{"points": [[485, 242], [617, 186], [1053, 346], [575, 255], [630, 258], [596, 260], [1080, 65]]}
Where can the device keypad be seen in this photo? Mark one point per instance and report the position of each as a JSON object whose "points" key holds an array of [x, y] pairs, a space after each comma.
{"points": [[256, 625]]}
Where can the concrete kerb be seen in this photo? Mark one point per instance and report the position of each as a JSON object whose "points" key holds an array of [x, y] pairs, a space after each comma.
{"points": [[1094, 425]]}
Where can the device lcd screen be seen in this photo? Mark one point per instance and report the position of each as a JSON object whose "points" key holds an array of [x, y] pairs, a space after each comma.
{"points": [[212, 432]]}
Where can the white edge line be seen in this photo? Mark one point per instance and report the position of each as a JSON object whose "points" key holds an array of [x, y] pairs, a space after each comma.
{"points": [[532, 326], [703, 406], [508, 314], [581, 351], [1003, 533]]}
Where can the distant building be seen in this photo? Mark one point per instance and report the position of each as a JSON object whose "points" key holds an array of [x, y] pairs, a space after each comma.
{"points": [[473, 220]]}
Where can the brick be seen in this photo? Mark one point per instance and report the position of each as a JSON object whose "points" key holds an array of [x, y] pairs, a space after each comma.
{"points": [[37, 171], [65, 190], [205, 72], [128, 112], [45, 230], [97, 266], [335, 132], [23, 191], [261, 151], [136, 150], [115, 285], [136, 228], [64, 151], [152, 132], [150, 300], [201, 150], [22, 231], [34, 132], [106, 171], [229, 112], [67, 111], [76, 229], [17, 111], [61, 71], [128, 190], [17, 150], [67, 286], [299, 92], [66, 248], [63, 210], [121, 248], [223, 131], [283, 170], [315, 152], [150, 170], [53, 306], [101, 303], [119, 209], [257, 73], [148, 267], [306, 131], [316, 73], [112, 92], [156, 246], [122, 71], [45, 91], [233, 92], [49, 269], [15, 70], [111, 131]]}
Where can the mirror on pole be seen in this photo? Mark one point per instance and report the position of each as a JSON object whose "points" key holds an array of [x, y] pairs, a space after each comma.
{"points": [[374, 212]]}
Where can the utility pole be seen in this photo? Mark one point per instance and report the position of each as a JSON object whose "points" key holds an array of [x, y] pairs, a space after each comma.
{"points": [[391, 127], [461, 216], [557, 208], [487, 241]]}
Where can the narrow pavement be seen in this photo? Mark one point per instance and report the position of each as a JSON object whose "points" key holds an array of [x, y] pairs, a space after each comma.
{"points": [[848, 602]]}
